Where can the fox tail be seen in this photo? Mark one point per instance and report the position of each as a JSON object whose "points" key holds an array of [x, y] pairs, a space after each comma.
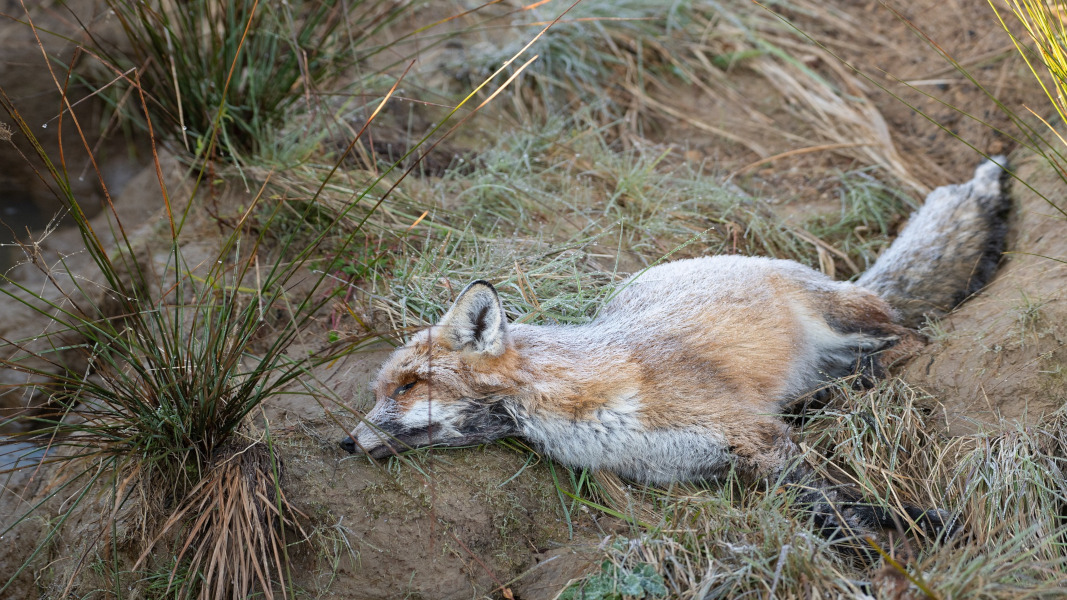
{"points": [[948, 250]]}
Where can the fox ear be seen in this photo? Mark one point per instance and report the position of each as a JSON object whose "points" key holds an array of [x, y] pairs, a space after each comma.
{"points": [[476, 322]]}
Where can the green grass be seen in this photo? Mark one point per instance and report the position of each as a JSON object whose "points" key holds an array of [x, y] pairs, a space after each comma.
{"points": [[554, 214], [869, 210]]}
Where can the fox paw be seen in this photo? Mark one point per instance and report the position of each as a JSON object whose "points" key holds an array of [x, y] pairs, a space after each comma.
{"points": [[938, 524]]}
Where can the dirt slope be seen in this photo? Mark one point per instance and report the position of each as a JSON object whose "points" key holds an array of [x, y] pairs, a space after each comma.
{"points": [[1002, 355]]}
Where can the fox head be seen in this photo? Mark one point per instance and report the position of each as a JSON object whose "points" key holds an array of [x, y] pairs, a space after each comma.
{"points": [[445, 386]]}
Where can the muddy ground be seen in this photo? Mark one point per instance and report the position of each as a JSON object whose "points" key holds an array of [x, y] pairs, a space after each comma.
{"points": [[447, 527]]}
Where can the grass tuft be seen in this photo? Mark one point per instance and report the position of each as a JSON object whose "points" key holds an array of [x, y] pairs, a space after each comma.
{"points": [[147, 380], [594, 41], [235, 541], [241, 72]]}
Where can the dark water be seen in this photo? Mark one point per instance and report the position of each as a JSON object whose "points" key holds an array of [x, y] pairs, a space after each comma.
{"points": [[18, 213], [16, 454]]}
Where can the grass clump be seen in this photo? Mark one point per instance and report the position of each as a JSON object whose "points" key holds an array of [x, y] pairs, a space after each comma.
{"points": [[1044, 26], [593, 41], [237, 544], [149, 382], [150, 364], [241, 71], [869, 211], [722, 542]]}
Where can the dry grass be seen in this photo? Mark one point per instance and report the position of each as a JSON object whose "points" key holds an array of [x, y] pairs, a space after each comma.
{"points": [[555, 213], [233, 525], [649, 53], [726, 541], [1044, 27]]}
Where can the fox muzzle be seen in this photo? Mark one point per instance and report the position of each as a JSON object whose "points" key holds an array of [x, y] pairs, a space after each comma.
{"points": [[348, 444]]}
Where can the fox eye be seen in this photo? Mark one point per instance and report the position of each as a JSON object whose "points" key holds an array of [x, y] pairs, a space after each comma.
{"points": [[402, 389]]}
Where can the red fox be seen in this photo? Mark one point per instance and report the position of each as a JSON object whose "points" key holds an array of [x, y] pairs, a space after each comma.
{"points": [[685, 373]]}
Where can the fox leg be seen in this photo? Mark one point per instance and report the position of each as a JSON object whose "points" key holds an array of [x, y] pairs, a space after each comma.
{"points": [[839, 511]]}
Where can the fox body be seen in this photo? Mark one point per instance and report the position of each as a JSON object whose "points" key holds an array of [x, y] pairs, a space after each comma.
{"points": [[680, 377], [684, 374]]}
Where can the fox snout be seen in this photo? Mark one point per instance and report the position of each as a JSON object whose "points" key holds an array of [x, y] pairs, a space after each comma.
{"points": [[350, 446], [457, 424], [377, 441]]}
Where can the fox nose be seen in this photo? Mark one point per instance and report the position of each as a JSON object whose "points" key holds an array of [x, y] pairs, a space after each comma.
{"points": [[348, 444]]}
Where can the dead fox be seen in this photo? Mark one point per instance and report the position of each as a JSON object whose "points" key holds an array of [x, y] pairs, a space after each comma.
{"points": [[685, 373]]}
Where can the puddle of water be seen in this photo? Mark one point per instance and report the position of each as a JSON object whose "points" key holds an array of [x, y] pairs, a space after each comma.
{"points": [[17, 455], [18, 212]]}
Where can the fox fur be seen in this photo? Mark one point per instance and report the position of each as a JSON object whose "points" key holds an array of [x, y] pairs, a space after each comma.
{"points": [[685, 373]]}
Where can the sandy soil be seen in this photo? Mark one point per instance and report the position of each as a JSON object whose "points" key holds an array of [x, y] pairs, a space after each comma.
{"points": [[892, 67]]}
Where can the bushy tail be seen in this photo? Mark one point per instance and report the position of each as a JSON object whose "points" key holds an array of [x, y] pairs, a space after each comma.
{"points": [[949, 249]]}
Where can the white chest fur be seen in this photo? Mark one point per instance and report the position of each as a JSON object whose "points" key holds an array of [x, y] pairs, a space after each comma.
{"points": [[615, 440]]}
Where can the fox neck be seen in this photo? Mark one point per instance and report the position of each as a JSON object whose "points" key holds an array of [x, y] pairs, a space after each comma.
{"points": [[567, 371]]}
